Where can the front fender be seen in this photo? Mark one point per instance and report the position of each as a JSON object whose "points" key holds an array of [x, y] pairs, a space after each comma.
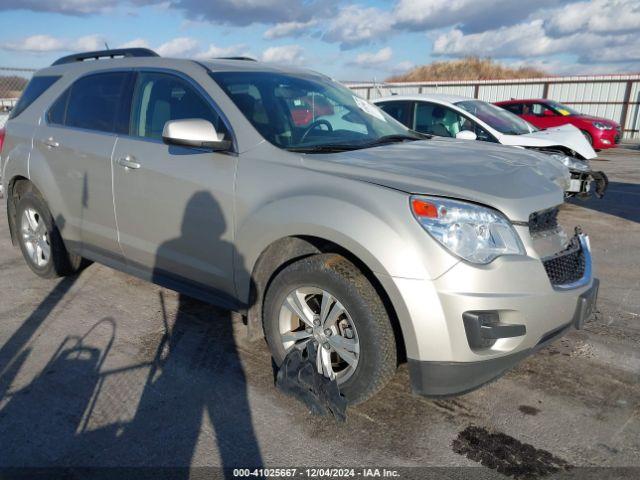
{"points": [[388, 244]]}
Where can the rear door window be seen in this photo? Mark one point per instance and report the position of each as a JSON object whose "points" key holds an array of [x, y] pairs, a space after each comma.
{"points": [[513, 108], [58, 110], [96, 102], [400, 110], [36, 87]]}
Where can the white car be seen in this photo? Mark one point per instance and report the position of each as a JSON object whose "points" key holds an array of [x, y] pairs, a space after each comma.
{"points": [[472, 119]]}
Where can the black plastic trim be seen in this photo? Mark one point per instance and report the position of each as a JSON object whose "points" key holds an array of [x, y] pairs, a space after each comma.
{"points": [[483, 327], [245, 59], [440, 379], [586, 305]]}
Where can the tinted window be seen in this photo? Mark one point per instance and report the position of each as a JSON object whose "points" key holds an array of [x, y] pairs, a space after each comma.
{"points": [[36, 87], [95, 101], [513, 108], [160, 97], [58, 110], [398, 110]]}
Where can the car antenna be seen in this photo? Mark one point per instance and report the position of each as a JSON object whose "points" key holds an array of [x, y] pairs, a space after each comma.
{"points": [[106, 46]]}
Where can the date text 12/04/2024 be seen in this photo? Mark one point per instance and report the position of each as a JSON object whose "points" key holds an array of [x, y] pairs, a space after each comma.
{"points": [[316, 472]]}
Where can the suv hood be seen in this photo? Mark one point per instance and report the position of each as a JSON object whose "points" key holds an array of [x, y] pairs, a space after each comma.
{"points": [[565, 136], [516, 182]]}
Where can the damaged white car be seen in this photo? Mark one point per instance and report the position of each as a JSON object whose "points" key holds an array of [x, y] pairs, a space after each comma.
{"points": [[472, 119]]}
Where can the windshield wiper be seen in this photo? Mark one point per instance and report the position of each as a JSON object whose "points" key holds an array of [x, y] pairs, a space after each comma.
{"points": [[396, 139], [329, 148], [336, 147]]}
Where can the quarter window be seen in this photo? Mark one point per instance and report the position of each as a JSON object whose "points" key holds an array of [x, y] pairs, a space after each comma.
{"points": [[95, 102], [160, 97], [36, 87]]}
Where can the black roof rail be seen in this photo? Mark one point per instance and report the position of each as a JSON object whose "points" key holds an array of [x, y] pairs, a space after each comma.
{"points": [[116, 52], [246, 59]]}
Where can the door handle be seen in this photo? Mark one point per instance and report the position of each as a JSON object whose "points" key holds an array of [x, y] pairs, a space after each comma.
{"points": [[128, 163], [51, 143]]}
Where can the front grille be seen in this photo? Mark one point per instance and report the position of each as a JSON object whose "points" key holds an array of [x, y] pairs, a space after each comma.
{"points": [[567, 266], [543, 221]]}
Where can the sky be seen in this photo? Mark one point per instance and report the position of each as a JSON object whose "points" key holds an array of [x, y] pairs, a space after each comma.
{"points": [[361, 40]]}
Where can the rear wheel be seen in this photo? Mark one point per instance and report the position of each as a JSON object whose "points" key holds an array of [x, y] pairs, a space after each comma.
{"points": [[40, 241], [325, 299]]}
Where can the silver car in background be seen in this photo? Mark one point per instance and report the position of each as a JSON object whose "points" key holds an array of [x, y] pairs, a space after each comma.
{"points": [[278, 193], [472, 119]]}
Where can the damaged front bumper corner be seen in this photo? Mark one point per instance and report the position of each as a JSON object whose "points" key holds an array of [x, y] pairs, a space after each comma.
{"points": [[580, 184]]}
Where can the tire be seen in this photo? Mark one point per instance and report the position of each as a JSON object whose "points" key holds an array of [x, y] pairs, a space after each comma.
{"points": [[588, 136], [365, 319], [59, 262]]}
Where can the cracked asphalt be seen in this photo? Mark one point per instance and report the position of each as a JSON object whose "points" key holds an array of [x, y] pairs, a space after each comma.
{"points": [[107, 370]]}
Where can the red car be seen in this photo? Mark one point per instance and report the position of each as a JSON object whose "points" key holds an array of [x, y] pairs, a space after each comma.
{"points": [[601, 132]]}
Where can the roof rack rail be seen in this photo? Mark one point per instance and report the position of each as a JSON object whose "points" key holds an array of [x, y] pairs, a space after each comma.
{"points": [[116, 52], [246, 59]]}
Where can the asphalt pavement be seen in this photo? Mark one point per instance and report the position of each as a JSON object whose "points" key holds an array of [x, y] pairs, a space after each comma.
{"points": [[105, 370]]}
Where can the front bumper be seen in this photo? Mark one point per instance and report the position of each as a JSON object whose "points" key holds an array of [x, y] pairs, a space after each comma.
{"points": [[443, 360], [435, 379], [603, 139]]}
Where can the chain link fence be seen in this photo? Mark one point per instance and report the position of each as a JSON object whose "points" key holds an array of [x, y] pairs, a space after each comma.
{"points": [[12, 82]]}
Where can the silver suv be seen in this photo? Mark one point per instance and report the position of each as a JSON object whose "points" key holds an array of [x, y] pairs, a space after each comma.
{"points": [[279, 193]]}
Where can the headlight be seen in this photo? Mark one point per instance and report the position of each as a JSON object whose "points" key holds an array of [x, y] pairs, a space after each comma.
{"points": [[474, 233], [602, 126], [571, 163]]}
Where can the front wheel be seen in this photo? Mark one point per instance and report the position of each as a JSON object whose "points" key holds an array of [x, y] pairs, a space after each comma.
{"points": [[325, 299]]}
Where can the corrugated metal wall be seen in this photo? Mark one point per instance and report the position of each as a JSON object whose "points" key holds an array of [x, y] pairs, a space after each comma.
{"points": [[611, 96]]}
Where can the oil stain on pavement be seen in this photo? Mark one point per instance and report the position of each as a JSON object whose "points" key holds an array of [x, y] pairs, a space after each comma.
{"points": [[506, 455], [528, 410]]}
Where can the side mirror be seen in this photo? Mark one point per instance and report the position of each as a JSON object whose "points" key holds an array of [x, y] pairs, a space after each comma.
{"points": [[548, 113], [466, 135], [194, 132]]}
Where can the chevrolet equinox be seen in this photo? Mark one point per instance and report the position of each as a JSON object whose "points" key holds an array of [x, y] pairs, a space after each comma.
{"points": [[278, 193]]}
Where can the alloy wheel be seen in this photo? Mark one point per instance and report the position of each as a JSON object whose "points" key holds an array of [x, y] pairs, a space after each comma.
{"points": [[312, 314], [35, 237]]}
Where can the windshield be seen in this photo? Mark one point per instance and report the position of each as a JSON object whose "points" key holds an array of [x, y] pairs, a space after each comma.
{"points": [[497, 118], [563, 109], [309, 112]]}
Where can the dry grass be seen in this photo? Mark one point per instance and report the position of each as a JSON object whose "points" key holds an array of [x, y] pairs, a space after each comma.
{"points": [[470, 68]]}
